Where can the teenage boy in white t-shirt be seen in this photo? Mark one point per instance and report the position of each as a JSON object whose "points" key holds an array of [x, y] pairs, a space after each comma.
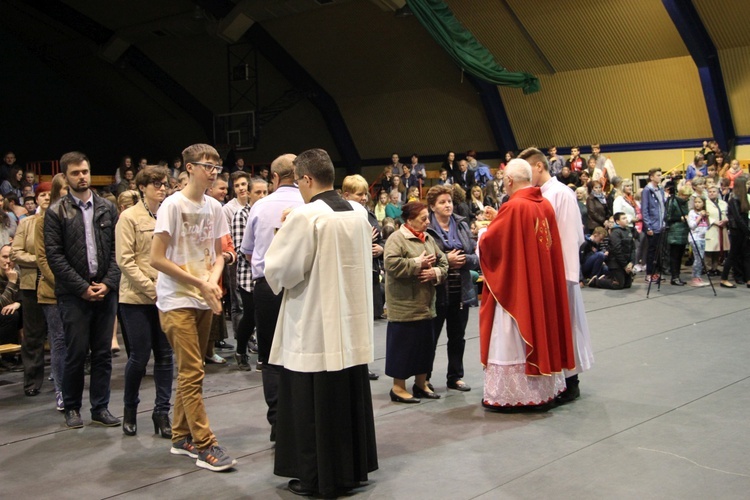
{"points": [[187, 240]]}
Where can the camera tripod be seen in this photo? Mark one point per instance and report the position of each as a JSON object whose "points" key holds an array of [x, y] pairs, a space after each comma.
{"points": [[660, 248]]}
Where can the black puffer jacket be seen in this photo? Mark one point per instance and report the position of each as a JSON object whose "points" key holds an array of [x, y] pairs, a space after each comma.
{"points": [[65, 244]]}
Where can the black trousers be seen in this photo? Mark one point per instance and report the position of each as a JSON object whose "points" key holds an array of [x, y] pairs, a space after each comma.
{"points": [[267, 306], [455, 317], [377, 295], [617, 280], [738, 258], [32, 347], [653, 247], [87, 325], [9, 326], [246, 324], [675, 259]]}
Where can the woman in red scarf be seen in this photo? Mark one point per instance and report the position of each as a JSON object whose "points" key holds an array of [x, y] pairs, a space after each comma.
{"points": [[413, 264]]}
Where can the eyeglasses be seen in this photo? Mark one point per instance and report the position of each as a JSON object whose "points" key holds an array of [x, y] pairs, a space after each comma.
{"points": [[159, 184], [209, 167]]}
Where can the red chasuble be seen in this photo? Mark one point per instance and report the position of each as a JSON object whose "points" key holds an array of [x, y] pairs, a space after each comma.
{"points": [[523, 270]]}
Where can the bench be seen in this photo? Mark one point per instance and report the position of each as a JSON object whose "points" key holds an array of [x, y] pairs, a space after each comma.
{"points": [[10, 348]]}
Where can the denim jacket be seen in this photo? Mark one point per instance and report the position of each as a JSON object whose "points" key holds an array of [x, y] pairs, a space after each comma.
{"points": [[653, 205], [468, 291]]}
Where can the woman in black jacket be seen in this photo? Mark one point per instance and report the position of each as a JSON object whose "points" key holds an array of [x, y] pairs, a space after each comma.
{"points": [[739, 235], [457, 293]]}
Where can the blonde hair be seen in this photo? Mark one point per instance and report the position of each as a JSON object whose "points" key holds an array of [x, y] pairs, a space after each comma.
{"points": [[354, 184], [127, 199], [685, 190]]}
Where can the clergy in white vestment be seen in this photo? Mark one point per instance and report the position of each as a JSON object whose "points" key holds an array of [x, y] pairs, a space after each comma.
{"points": [[569, 226], [322, 259]]}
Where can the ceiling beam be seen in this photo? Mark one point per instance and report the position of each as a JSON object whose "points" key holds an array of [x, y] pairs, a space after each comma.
{"points": [[300, 79], [703, 51], [497, 117], [134, 57]]}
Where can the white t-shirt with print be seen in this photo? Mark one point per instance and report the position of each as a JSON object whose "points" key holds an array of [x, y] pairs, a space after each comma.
{"points": [[193, 228]]}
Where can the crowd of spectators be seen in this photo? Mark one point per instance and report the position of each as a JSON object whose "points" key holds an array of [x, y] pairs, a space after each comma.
{"points": [[701, 217]]}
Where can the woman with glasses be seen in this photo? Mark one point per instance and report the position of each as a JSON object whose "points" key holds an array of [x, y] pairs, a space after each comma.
{"points": [[137, 308]]}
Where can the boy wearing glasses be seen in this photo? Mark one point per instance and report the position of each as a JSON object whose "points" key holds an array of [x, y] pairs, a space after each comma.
{"points": [[186, 244]]}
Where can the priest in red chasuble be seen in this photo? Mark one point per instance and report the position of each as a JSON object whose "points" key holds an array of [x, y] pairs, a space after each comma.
{"points": [[524, 320]]}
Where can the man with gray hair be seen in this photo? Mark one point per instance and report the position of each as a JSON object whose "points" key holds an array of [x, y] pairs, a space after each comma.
{"points": [[322, 260], [524, 321], [568, 219]]}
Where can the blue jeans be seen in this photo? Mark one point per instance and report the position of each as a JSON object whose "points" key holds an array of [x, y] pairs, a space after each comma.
{"points": [[57, 349], [594, 265], [141, 325], [87, 325], [699, 251]]}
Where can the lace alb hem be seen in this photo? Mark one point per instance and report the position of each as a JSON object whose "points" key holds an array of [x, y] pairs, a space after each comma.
{"points": [[508, 385]]}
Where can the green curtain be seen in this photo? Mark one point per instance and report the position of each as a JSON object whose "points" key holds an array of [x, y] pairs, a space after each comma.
{"points": [[466, 50]]}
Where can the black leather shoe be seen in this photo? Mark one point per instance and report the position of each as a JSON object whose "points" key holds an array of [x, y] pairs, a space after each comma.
{"points": [[398, 399], [295, 486], [568, 395], [375, 376], [31, 392], [162, 425], [424, 394], [429, 385], [129, 425], [459, 385], [677, 282], [105, 418], [73, 419], [220, 344]]}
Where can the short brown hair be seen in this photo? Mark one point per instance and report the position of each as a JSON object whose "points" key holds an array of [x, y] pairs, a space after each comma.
{"points": [[197, 152], [72, 158], [240, 174], [149, 175], [412, 209], [600, 231], [534, 155], [317, 164], [435, 192]]}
